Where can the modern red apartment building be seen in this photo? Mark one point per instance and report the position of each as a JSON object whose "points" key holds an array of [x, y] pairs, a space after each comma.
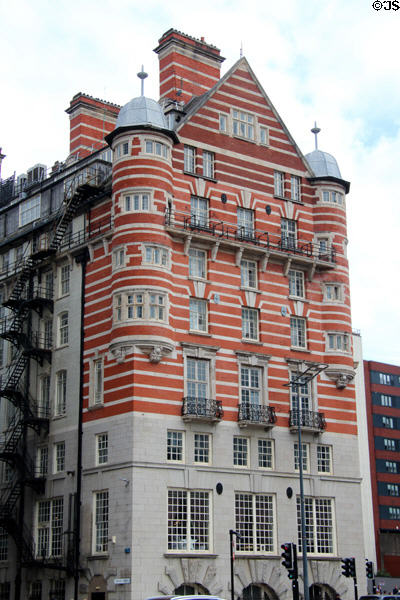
{"points": [[164, 288], [382, 385]]}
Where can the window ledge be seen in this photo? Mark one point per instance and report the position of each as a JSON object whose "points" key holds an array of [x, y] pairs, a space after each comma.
{"points": [[297, 298], [256, 342], [97, 557], [95, 406], [202, 333], [189, 555], [250, 289], [299, 349], [200, 176]]}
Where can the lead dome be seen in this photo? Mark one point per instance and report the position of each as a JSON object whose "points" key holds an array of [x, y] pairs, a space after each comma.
{"points": [[323, 164], [141, 111]]}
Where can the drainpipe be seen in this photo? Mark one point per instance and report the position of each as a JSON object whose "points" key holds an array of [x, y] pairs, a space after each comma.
{"points": [[81, 259]]}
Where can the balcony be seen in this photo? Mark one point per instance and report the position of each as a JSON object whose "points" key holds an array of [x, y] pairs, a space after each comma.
{"points": [[309, 421], [201, 409], [256, 415], [263, 242]]}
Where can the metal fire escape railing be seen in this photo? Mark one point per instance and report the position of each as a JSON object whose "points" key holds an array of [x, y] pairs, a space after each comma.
{"points": [[23, 298]]}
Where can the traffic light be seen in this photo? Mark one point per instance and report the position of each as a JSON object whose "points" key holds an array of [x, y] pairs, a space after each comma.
{"points": [[287, 555], [352, 566], [369, 569], [348, 567]]}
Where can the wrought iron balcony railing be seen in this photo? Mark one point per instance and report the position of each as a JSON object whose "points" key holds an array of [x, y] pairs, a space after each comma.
{"points": [[201, 408], [256, 414], [272, 242], [307, 419]]}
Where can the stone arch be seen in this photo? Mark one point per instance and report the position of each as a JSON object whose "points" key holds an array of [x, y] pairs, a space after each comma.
{"points": [[259, 591], [189, 571], [328, 575], [261, 572], [321, 591]]}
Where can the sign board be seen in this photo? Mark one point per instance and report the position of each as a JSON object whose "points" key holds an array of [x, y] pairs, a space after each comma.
{"points": [[122, 580]]}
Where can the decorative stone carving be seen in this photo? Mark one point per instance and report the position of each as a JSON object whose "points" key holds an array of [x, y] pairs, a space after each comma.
{"points": [[155, 351], [341, 376]]}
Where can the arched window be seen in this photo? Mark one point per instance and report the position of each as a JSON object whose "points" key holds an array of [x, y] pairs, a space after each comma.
{"points": [[190, 589], [258, 592]]}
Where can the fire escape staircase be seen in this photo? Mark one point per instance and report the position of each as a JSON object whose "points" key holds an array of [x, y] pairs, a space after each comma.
{"points": [[23, 298]]}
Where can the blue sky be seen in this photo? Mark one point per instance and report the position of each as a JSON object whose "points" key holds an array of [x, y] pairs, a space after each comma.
{"points": [[332, 61]]}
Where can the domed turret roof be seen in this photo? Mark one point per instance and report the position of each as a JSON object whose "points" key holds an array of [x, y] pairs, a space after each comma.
{"points": [[323, 164], [141, 111]]}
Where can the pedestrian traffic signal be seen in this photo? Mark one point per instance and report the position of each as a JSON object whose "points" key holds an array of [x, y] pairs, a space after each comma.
{"points": [[369, 569], [287, 555]]}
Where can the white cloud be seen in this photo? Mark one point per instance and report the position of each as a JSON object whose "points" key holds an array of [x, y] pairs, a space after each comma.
{"points": [[333, 62]]}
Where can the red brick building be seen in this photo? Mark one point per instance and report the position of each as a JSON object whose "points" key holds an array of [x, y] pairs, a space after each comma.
{"points": [[189, 286]]}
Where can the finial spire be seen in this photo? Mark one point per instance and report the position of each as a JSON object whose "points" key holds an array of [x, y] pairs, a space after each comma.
{"points": [[142, 75], [315, 130], [241, 49]]}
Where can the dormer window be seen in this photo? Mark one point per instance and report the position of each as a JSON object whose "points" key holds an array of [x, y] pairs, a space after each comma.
{"points": [[243, 124]]}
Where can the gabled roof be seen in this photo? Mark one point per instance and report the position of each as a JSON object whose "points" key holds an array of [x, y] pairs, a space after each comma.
{"points": [[199, 101]]}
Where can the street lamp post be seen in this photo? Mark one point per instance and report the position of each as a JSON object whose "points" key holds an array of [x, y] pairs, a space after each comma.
{"points": [[231, 534], [301, 379]]}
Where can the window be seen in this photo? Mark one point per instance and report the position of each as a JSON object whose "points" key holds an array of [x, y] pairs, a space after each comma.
{"points": [[305, 451], [136, 202], [387, 422], [338, 342], [333, 292], [42, 461], [324, 459], [29, 211], [146, 305], [390, 466], [63, 329], [296, 283], [265, 454], [386, 400], [301, 397], [61, 394], [100, 525], [332, 197], [248, 274], [197, 263], [97, 374], [385, 379], [319, 525], [157, 148], [64, 280], [175, 446], [5, 262], [223, 123], [264, 136], [122, 149], [245, 223], [295, 188], [208, 164], [240, 451], [197, 380], [118, 258], [199, 212], [57, 587], [3, 544], [59, 457], [102, 448], [188, 520], [288, 234], [156, 255], [394, 512], [5, 590], [279, 184], [202, 451], [189, 158], [389, 444], [392, 489], [198, 314], [48, 332], [50, 530], [243, 124], [250, 323], [250, 385], [254, 520], [298, 332]]}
